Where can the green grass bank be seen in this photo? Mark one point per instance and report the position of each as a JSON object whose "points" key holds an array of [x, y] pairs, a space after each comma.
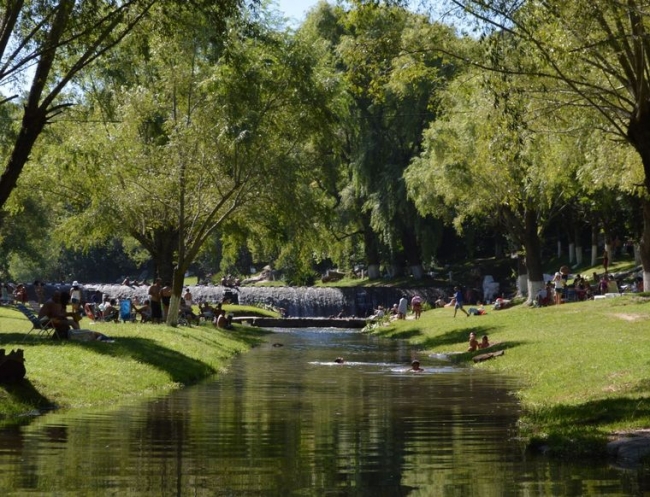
{"points": [[144, 360], [584, 367]]}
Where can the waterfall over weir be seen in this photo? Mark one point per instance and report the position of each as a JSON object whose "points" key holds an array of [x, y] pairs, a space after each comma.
{"points": [[296, 301]]}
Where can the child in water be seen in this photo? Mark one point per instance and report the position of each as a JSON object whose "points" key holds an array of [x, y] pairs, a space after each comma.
{"points": [[415, 367]]}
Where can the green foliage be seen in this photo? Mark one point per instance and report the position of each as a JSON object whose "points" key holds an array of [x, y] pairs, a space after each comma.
{"points": [[388, 59]]}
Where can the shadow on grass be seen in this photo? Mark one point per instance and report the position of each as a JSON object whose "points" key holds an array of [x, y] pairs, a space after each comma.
{"points": [[457, 337], [573, 430], [401, 335], [18, 339], [23, 392], [179, 367]]}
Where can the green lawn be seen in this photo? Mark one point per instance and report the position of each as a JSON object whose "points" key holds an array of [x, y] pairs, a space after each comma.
{"points": [[584, 368], [145, 359]]}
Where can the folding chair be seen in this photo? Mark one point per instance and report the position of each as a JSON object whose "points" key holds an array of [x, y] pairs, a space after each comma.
{"points": [[43, 326]]}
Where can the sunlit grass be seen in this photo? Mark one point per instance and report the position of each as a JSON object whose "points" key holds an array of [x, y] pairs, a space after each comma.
{"points": [[145, 359], [583, 367]]}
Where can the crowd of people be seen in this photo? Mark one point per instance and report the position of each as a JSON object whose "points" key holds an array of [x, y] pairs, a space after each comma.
{"points": [[65, 308]]}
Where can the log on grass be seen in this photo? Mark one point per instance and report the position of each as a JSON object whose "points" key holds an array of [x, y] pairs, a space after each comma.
{"points": [[489, 355]]}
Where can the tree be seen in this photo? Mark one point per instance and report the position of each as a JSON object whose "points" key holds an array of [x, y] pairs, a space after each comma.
{"points": [[44, 46], [392, 77], [589, 54], [484, 161], [195, 141]]}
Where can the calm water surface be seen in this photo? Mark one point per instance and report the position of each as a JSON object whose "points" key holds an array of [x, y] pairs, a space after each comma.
{"points": [[286, 420]]}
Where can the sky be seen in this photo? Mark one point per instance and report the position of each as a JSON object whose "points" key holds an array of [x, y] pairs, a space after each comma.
{"points": [[295, 9]]}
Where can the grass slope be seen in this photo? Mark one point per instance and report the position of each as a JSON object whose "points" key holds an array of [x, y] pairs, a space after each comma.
{"points": [[145, 359], [584, 367]]}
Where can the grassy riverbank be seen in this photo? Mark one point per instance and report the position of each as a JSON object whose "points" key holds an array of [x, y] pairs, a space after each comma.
{"points": [[584, 367], [145, 359]]}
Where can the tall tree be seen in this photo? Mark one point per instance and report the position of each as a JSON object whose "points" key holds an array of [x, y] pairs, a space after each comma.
{"points": [[485, 161], [591, 54], [46, 44], [196, 140], [392, 75]]}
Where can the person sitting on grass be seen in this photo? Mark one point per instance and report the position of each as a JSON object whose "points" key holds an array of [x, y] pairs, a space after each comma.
{"points": [[473, 342], [221, 321], [207, 312], [186, 312], [54, 308], [110, 311], [485, 343], [144, 311]]}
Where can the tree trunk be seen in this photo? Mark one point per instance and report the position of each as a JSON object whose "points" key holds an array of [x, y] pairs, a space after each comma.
{"points": [[594, 244], [32, 125], [639, 135], [412, 253], [177, 294], [522, 276], [578, 247], [371, 249], [644, 246], [532, 245]]}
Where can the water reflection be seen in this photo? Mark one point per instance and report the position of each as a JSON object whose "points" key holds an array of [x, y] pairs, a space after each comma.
{"points": [[287, 420]]}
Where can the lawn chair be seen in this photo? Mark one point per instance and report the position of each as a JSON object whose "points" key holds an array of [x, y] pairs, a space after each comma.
{"points": [[42, 326]]}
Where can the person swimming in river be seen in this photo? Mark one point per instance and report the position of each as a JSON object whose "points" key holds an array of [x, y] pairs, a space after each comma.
{"points": [[339, 360], [415, 367]]}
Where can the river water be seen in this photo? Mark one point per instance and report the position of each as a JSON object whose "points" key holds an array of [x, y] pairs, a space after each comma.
{"points": [[286, 420]]}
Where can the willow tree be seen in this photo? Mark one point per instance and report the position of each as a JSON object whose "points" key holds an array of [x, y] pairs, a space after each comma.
{"points": [[590, 54], [392, 76], [201, 136], [486, 160], [45, 45]]}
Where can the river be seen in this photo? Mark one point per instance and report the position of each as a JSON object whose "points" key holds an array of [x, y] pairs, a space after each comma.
{"points": [[286, 420]]}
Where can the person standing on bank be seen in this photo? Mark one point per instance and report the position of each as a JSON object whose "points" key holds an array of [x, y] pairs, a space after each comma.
{"points": [[458, 297], [416, 305], [402, 308], [75, 296], [154, 301], [166, 298]]}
